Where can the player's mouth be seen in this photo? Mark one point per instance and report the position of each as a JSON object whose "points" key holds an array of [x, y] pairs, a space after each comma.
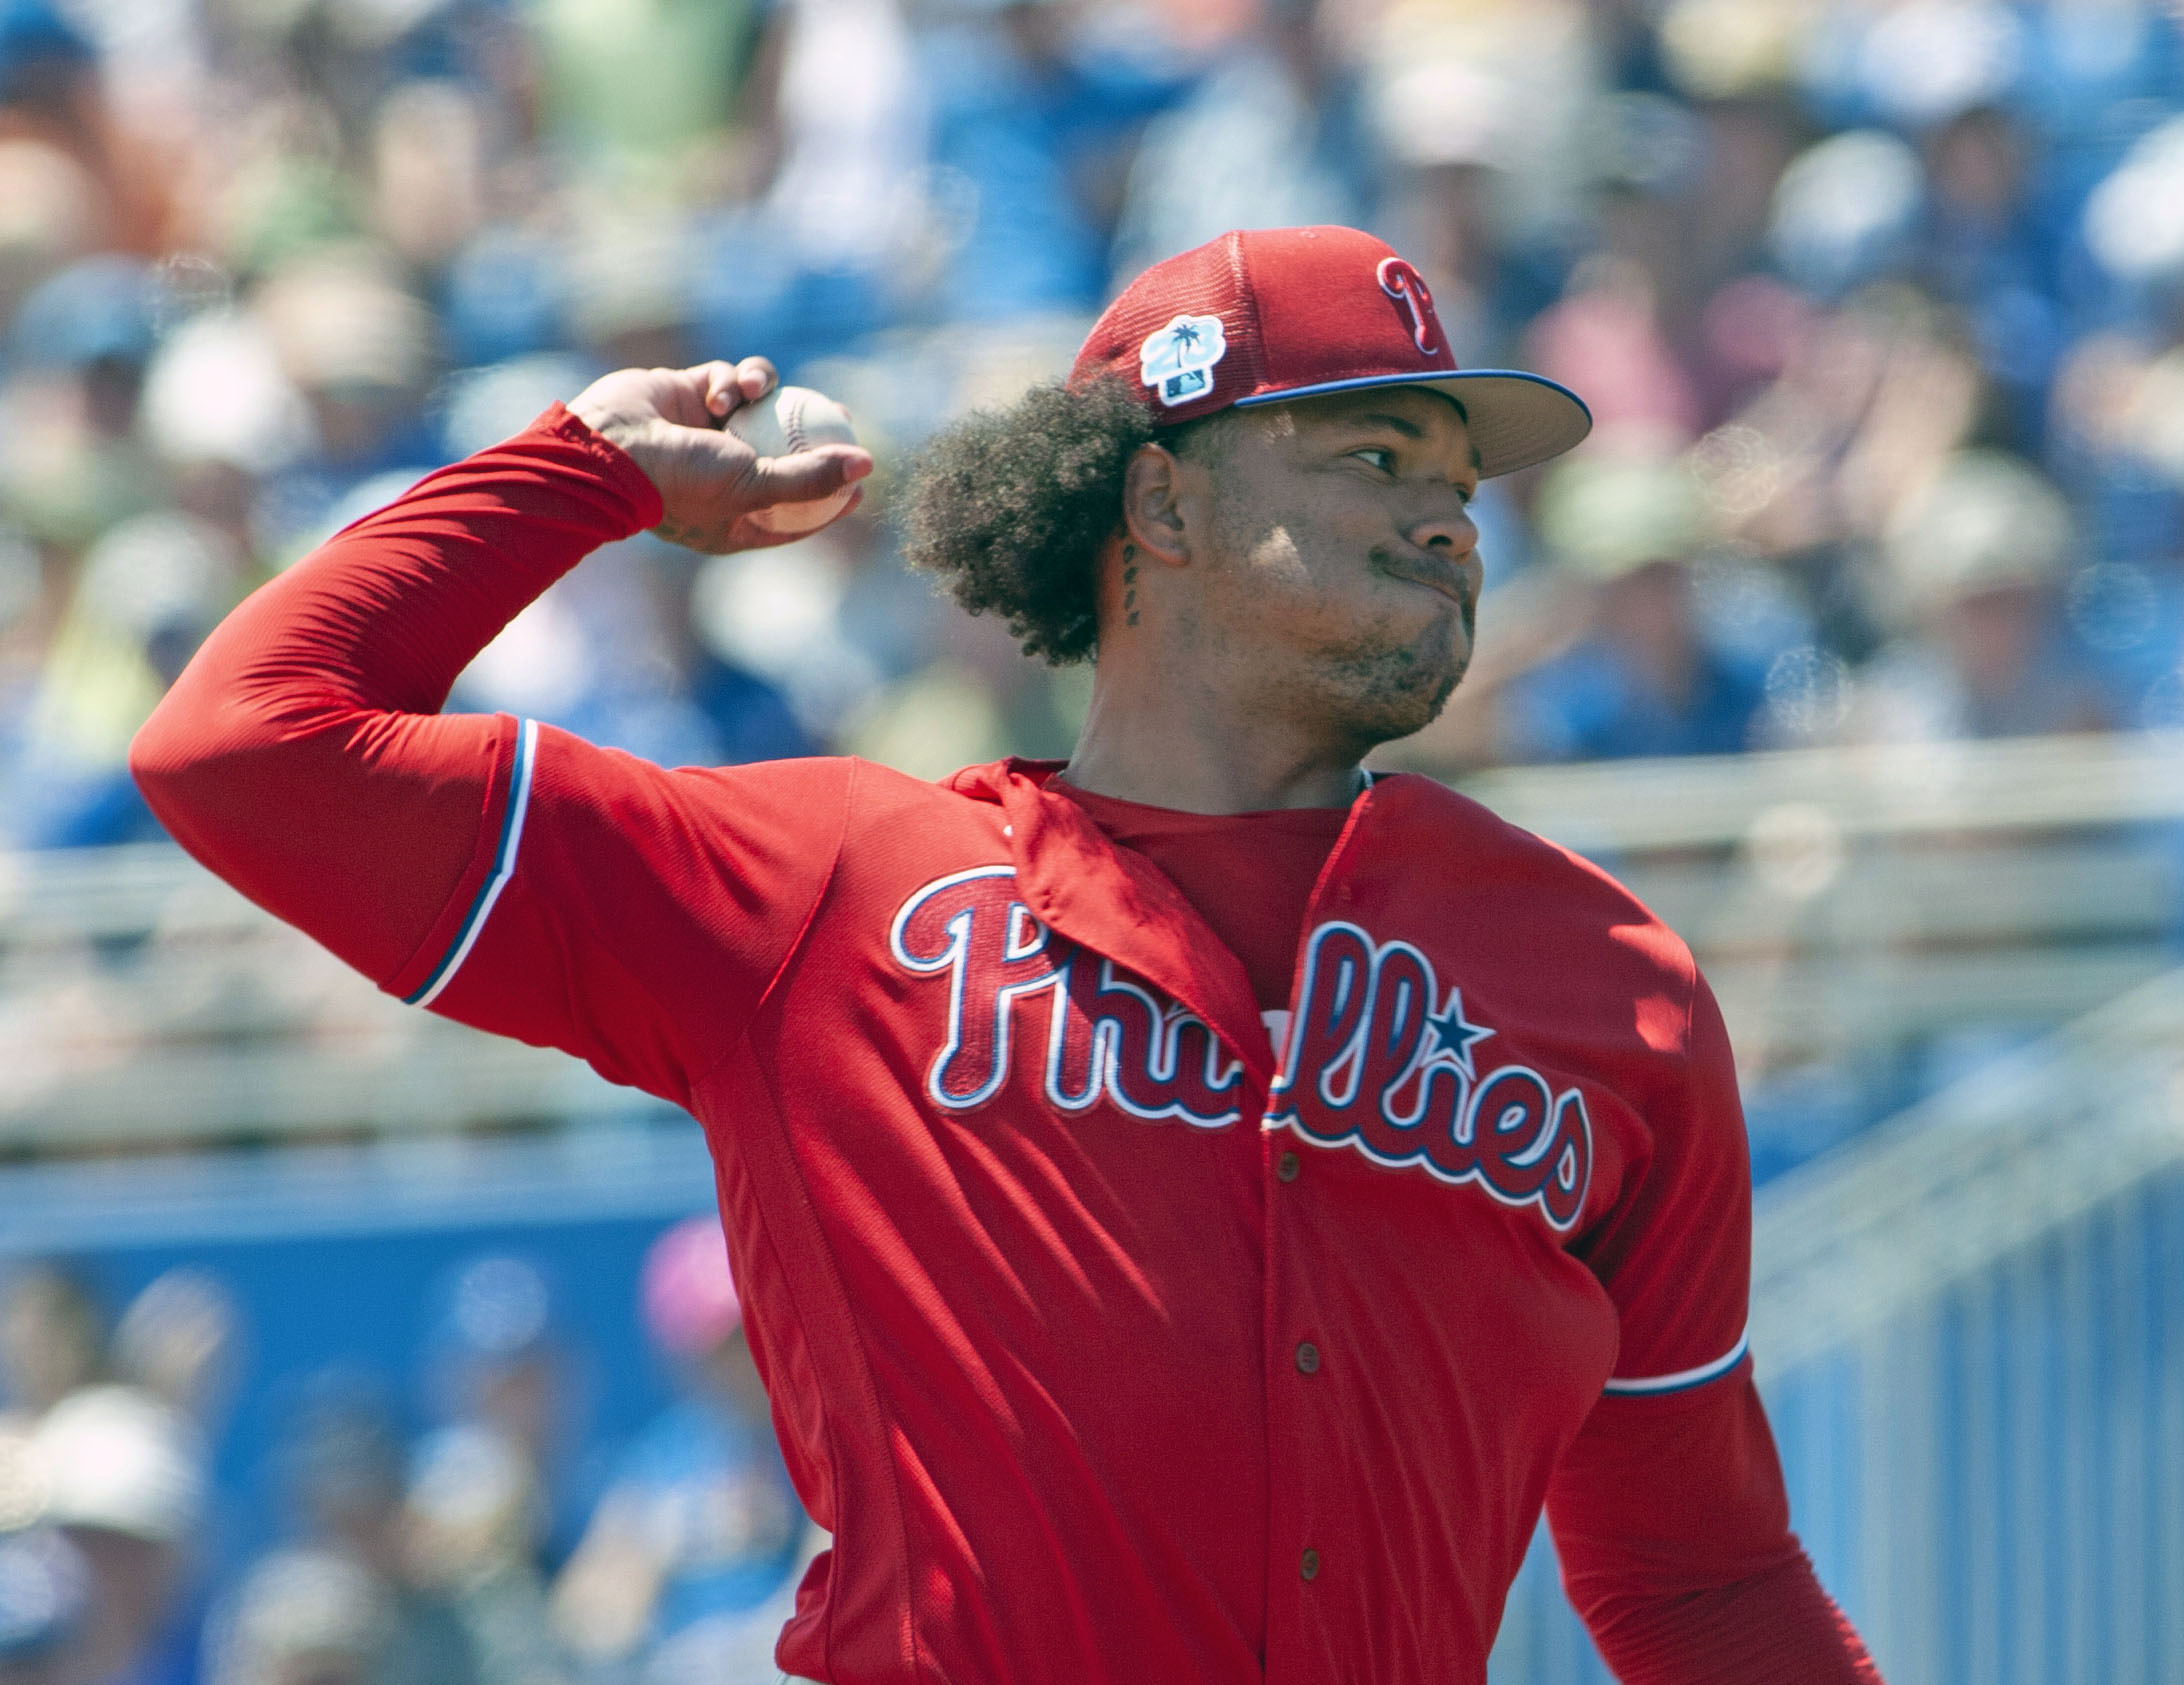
{"points": [[1453, 583]]}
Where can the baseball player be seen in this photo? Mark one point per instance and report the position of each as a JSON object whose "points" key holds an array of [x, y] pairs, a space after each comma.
{"points": [[1193, 1205]]}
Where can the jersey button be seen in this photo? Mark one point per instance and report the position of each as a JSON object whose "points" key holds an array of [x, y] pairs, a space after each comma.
{"points": [[1309, 1567], [1287, 1166], [1308, 1358]]}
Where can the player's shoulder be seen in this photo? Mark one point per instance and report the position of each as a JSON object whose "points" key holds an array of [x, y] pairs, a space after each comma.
{"points": [[872, 809], [1551, 888], [872, 786], [1491, 843]]}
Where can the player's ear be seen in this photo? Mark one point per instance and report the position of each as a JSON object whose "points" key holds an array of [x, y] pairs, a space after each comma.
{"points": [[1155, 485]]}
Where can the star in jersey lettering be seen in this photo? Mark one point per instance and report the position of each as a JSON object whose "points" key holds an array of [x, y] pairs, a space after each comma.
{"points": [[1453, 1034]]}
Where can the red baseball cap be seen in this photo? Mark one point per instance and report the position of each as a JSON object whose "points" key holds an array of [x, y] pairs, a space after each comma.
{"points": [[1265, 315]]}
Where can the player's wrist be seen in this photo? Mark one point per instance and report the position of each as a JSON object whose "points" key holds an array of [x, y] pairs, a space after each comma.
{"points": [[631, 431]]}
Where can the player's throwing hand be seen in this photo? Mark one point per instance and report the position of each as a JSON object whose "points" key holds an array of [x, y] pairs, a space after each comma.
{"points": [[711, 483]]}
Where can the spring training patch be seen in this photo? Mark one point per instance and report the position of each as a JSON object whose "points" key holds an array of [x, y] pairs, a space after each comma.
{"points": [[1177, 362]]}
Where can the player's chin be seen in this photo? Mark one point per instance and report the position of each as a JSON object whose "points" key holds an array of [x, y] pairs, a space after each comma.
{"points": [[1425, 705], [1395, 692]]}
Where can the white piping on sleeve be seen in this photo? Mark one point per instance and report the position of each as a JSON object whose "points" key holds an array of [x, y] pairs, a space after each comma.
{"points": [[519, 802], [1683, 1379]]}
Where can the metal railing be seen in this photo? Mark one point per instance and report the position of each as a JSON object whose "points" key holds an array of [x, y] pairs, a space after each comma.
{"points": [[1845, 904], [1969, 1329]]}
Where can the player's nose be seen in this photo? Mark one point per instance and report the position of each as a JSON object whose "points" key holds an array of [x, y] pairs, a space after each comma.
{"points": [[1446, 532]]}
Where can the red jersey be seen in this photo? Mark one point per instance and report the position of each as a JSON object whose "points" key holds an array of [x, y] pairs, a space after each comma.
{"points": [[1117, 1326]]}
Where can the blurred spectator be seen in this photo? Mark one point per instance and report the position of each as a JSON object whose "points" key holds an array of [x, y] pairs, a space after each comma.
{"points": [[344, 1474], [1644, 677], [103, 1499], [1271, 136], [687, 56], [1027, 134], [497, 1364], [697, 1536], [146, 594], [474, 1517], [848, 227], [360, 348], [52, 1340], [491, 1508], [1982, 248], [180, 1341], [1975, 561], [44, 1601], [126, 1484], [303, 1617]]}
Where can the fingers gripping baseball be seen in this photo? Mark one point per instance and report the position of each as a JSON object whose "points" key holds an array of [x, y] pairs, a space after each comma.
{"points": [[715, 488]]}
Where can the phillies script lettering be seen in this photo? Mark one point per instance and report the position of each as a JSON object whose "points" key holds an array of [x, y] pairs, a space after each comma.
{"points": [[1104, 1033], [1378, 1058]]}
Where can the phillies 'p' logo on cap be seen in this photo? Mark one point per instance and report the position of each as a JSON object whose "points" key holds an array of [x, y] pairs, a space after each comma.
{"points": [[1270, 315], [1403, 283]]}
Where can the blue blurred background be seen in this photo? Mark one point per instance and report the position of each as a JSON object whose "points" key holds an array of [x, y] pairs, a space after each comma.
{"points": [[1854, 640]]}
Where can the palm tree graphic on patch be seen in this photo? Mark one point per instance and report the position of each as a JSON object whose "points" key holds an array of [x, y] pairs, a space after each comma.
{"points": [[1177, 361]]}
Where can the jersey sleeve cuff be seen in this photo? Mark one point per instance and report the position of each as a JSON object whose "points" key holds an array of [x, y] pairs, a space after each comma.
{"points": [[442, 954], [614, 463], [1681, 1380]]}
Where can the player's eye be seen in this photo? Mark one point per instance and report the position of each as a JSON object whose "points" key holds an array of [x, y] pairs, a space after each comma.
{"points": [[1379, 456]]}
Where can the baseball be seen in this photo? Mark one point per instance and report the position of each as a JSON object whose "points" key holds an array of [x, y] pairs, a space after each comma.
{"points": [[787, 420]]}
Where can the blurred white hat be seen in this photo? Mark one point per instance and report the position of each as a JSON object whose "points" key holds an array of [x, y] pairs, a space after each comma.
{"points": [[298, 1605], [117, 1459], [338, 319], [1925, 61], [1606, 513], [156, 571], [1984, 522], [2134, 220], [216, 392], [1843, 206]]}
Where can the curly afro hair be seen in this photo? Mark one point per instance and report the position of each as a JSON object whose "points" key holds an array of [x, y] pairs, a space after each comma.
{"points": [[1009, 508]]}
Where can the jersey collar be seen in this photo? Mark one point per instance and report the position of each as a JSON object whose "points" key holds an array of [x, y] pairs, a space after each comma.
{"points": [[1118, 904]]}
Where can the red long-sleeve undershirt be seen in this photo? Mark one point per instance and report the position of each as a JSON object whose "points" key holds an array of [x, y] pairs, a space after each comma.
{"points": [[302, 757]]}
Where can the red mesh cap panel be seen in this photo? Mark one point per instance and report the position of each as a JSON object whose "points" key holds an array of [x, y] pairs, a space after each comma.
{"points": [[1336, 305], [1205, 282]]}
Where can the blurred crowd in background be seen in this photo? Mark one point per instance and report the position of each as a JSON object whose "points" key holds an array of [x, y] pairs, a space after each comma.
{"points": [[489, 1546], [1879, 303]]}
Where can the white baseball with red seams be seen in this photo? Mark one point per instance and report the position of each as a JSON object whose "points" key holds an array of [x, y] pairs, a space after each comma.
{"points": [[785, 421]]}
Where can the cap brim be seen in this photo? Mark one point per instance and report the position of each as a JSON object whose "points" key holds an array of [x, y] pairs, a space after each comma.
{"points": [[1516, 419]]}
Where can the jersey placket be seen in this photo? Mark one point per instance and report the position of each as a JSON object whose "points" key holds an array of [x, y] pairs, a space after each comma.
{"points": [[1301, 1566]]}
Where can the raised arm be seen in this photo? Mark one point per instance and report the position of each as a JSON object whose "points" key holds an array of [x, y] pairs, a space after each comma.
{"points": [[301, 755]]}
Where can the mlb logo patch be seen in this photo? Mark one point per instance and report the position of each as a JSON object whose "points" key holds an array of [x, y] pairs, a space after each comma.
{"points": [[1177, 361]]}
